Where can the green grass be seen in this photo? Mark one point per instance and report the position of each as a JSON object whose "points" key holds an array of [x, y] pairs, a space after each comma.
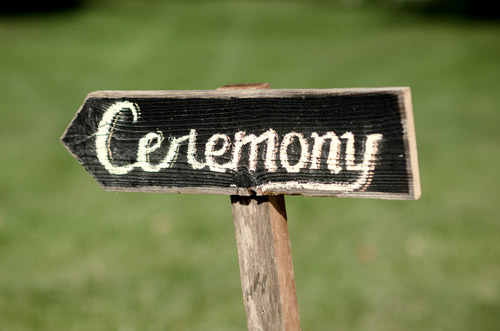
{"points": [[73, 257]]}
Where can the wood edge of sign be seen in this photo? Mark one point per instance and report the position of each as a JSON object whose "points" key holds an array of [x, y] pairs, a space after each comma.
{"points": [[256, 92], [245, 86], [255, 192], [410, 143]]}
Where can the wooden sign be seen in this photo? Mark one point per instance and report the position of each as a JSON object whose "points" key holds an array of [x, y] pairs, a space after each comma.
{"points": [[328, 142]]}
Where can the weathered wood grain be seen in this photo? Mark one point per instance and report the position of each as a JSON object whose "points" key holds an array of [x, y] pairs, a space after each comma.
{"points": [[300, 125], [265, 259]]}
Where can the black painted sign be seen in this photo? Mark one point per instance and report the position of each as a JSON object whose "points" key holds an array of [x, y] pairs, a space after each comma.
{"points": [[332, 142]]}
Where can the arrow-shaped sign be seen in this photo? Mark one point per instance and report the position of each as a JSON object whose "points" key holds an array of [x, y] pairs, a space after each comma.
{"points": [[331, 142]]}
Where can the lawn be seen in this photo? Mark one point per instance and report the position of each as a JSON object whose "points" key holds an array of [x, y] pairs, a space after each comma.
{"points": [[74, 257]]}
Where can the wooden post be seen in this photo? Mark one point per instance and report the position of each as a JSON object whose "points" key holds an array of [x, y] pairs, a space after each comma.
{"points": [[265, 257]]}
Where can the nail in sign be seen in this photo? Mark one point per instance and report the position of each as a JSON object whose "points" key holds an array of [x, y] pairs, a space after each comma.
{"points": [[329, 142]]}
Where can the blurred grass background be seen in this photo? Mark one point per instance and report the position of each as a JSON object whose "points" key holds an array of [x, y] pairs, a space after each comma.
{"points": [[74, 257]]}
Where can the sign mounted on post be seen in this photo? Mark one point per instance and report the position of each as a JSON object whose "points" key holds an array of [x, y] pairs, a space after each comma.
{"points": [[328, 142], [255, 144]]}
